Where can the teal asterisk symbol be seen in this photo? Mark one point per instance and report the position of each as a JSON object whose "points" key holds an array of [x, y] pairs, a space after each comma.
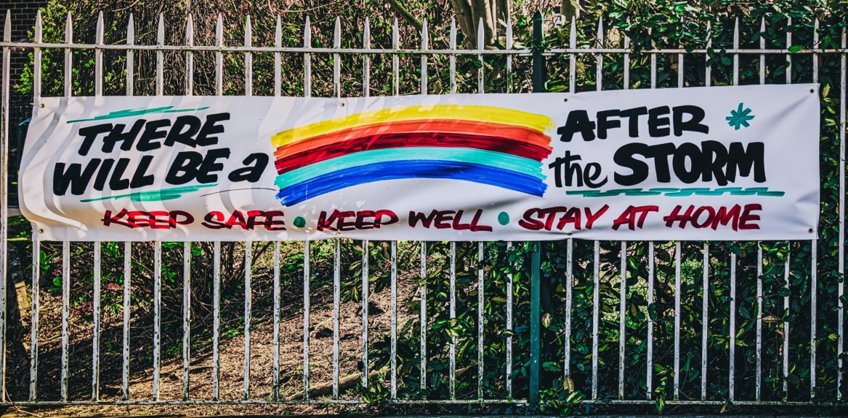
{"points": [[739, 117]]}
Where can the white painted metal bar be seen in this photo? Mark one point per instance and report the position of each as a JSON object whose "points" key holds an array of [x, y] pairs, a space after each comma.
{"points": [[33, 373], [813, 311], [275, 367], [337, 267], [366, 286], [160, 41], [677, 314], [395, 59], [758, 366], [337, 253], [96, 311], [705, 319], [219, 56], [307, 274], [596, 305], [157, 316], [732, 335], [393, 319], [248, 57], [649, 381], [452, 313], [66, 302], [248, 313], [452, 56], [622, 313], [572, 58], [216, 319], [509, 327], [626, 66], [840, 293], [130, 81], [569, 283], [278, 42], [189, 91], [4, 195], [708, 69], [95, 343], [786, 269], [186, 317], [509, 46], [481, 321], [127, 302], [481, 47]]}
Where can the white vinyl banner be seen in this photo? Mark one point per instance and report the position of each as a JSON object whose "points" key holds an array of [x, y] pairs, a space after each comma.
{"points": [[711, 163]]}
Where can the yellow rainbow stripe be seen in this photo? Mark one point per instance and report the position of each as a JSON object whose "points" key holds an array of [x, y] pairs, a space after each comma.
{"points": [[476, 113]]}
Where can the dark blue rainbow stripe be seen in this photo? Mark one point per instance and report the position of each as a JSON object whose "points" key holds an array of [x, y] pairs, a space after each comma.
{"points": [[410, 169]]}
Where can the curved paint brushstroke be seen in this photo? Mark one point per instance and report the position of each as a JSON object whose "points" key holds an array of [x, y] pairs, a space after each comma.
{"points": [[407, 141], [490, 114], [464, 155], [518, 134], [396, 170]]}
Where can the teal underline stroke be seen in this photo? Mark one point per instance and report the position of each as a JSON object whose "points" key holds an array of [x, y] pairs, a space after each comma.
{"points": [[125, 113], [684, 192], [154, 195]]}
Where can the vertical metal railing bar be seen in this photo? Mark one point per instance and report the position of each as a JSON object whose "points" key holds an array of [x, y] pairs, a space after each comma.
{"points": [[422, 315], [599, 64], [452, 317], [814, 244], [126, 302], [509, 320], [480, 245], [705, 295], [732, 335], [572, 58], [649, 369], [596, 302], [393, 277], [508, 45], [732, 313], [480, 318], [509, 284], [480, 46], [186, 317], [759, 324], [248, 308], [677, 313], [622, 310], [786, 270], [33, 376], [275, 368], [216, 319], [337, 253], [157, 254], [157, 316], [125, 353], [705, 321], [393, 244], [626, 67], [4, 199], [306, 278], [569, 283], [189, 91], [216, 269], [95, 343], [452, 56], [840, 315], [307, 92], [66, 301], [337, 267], [366, 284]]}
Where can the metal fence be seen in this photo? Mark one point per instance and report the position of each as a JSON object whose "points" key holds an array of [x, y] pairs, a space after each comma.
{"points": [[582, 354]]}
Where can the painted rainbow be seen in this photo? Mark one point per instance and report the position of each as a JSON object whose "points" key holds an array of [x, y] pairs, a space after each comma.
{"points": [[483, 144]]}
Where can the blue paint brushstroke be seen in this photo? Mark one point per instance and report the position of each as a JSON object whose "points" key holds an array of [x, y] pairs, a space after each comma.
{"points": [[411, 169]]}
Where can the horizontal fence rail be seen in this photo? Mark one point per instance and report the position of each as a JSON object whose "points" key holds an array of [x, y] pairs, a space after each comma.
{"points": [[422, 323]]}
